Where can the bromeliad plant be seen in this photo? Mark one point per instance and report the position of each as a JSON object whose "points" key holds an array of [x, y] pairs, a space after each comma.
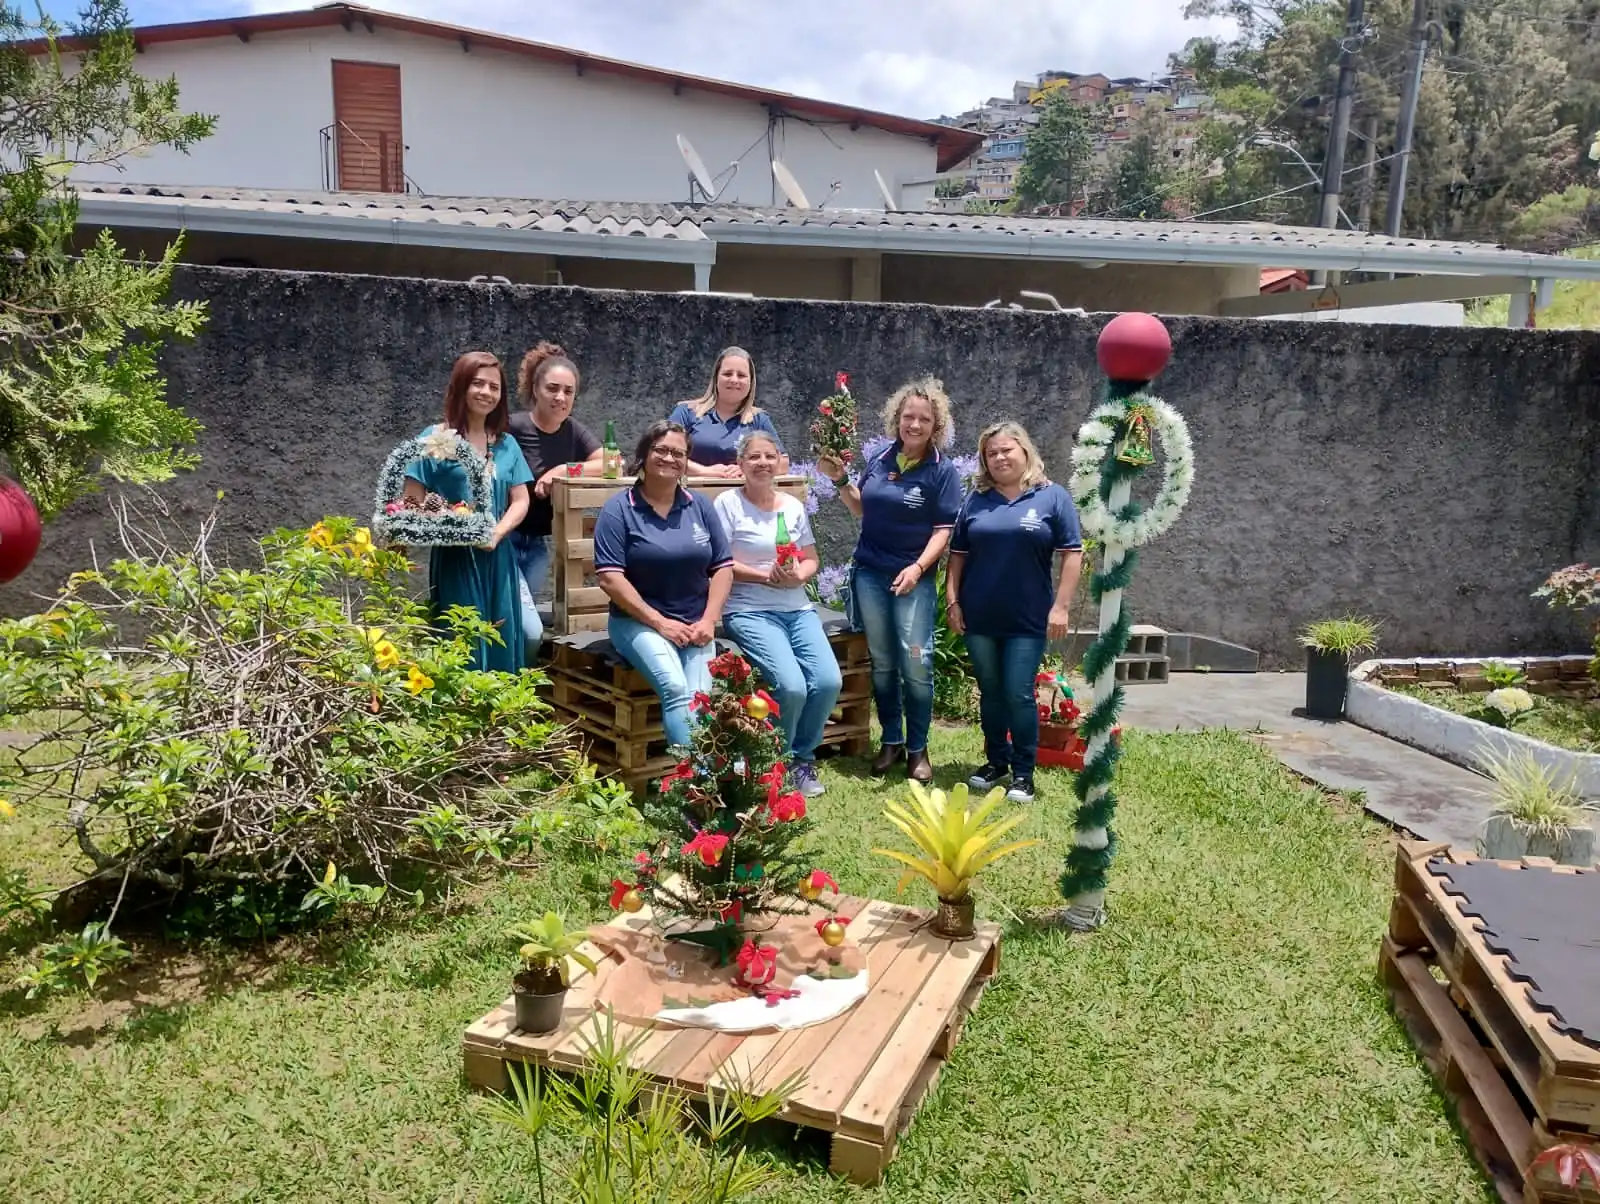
{"points": [[198, 725], [956, 843]]}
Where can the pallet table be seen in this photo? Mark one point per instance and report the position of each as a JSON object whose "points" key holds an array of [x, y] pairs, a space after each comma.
{"points": [[617, 713], [579, 604], [867, 1071], [1519, 1084]]}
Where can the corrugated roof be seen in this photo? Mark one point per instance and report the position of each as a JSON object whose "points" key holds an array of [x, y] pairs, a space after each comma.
{"points": [[853, 230]]}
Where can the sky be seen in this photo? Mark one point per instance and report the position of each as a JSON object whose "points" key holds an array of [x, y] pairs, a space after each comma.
{"points": [[918, 58]]}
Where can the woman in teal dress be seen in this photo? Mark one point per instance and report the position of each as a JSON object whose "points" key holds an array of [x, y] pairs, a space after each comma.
{"points": [[485, 577]]}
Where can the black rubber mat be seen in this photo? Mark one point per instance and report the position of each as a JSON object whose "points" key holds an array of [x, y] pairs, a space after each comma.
{"points": [[1548, 925]]}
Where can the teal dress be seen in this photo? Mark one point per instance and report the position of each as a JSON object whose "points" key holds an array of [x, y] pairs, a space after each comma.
{"points": [[476, 577]]}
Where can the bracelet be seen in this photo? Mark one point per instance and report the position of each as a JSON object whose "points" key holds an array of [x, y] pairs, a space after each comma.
{"points": [[952, 606]]}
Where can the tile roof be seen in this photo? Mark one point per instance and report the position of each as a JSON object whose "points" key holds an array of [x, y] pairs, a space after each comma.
{"points": [[1000, 235]]}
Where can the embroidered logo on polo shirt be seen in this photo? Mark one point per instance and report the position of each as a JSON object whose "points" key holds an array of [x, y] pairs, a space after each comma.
{"points": [[913, 497], [701, 535], [1031, 520]]}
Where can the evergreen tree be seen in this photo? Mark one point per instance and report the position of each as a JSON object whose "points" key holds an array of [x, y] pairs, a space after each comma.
{"points": [[1057, 156], [80, 396]]}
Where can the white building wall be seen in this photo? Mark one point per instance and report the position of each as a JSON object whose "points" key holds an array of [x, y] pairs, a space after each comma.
{"points": [[490, 123]]}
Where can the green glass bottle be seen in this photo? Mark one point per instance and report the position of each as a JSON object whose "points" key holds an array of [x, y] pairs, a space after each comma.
{"points": [[610, 454], [783, 530]]}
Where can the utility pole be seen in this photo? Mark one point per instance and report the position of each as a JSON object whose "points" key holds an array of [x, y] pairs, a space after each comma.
{"points": [[1344, 101], [1369, 174], [1406, 131]]}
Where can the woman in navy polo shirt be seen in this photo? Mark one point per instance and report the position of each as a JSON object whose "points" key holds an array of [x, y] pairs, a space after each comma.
{"points": [[907, 502], [662, 558], [722, 415], [999, 594]]}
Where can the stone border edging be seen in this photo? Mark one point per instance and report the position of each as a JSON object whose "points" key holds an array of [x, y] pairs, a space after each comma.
{"points": [[1458, 738]]}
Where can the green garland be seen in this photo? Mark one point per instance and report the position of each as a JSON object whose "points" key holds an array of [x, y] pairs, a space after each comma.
{"points": [[1098, 472]]}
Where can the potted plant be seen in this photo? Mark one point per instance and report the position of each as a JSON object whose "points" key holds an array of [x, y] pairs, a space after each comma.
{"points": [[539, 989], [1329, 645], [1534, 813], [955, 845], [1058, 709]]}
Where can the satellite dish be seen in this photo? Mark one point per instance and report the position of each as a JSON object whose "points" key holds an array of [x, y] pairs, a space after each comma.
{"points": [[697, 169], [790, 185], [883, 187]]}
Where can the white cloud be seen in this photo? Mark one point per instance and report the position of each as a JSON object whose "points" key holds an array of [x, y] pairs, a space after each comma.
{"points": [[919, 58]]}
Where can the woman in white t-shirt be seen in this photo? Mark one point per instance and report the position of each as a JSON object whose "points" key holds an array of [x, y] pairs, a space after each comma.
{"points": [[768, 613]]}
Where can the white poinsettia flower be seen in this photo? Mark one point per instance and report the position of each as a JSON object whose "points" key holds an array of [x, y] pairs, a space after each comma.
{"points": [[1509, 701], [439, 444]]}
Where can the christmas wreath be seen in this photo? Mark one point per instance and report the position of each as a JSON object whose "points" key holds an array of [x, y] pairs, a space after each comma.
{"points": [[1146, 417], [433, 521]]}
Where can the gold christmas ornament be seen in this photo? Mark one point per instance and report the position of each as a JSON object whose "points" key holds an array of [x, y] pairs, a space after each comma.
{"points": [[756, 707], [808, 892], [833, 934], [632, 901], [1138, 447]]}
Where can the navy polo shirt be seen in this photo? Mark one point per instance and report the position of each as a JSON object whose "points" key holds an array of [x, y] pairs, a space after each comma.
{"points": [[715, 441], [668, 560], [900, 511], [1007, 549]]}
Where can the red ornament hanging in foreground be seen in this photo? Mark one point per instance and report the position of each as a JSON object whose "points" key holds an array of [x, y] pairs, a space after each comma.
{"points": [[20, 530], [1133, 347]]}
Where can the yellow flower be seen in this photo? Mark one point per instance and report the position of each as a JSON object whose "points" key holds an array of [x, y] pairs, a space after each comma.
{"points": [[319, 536], [7, 810], [330, 874], [387, 654], [417, 681], [361, 542]]}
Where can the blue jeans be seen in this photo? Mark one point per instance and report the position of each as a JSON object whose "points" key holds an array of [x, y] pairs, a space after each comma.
{"points": [[533, 562], [676, 673], [792, 652], [1005, 667], [899, 634]]}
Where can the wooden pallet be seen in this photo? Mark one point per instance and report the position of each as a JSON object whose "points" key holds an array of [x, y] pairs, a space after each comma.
{"points": [[1518, 1084], [578, 604], [868, 1071]]}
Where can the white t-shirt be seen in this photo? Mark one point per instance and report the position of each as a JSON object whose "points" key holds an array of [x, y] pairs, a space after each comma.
{"points": [[753, 539]]}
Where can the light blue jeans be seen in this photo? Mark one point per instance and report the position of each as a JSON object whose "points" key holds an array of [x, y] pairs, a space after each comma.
{"points": [[792, 652], [676, 673], [533, 562], [899, 634]]}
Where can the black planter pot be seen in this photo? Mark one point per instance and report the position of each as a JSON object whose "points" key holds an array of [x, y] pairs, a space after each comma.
{"points": [[538, 1008], [1327, 683]]}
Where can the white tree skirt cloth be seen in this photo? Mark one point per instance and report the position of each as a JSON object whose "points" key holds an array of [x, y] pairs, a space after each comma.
{"points": [[818, 1000]]}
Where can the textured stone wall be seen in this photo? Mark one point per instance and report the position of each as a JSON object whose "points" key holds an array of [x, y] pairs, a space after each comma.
{"points": [[1428, 477]]}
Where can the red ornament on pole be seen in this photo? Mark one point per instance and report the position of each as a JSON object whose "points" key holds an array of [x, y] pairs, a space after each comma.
{"points": [[1133, 347], [20, 529]]}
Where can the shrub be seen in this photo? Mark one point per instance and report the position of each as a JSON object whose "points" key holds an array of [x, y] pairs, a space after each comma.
{"points": [[239, 733], [1575, 588]]}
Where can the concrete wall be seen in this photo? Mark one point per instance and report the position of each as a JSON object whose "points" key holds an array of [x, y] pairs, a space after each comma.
{"points": [[1430, 478], [491, 123]]}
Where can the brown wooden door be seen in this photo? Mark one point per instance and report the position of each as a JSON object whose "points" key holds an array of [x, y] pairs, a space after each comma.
{"points": [[366, 132]]}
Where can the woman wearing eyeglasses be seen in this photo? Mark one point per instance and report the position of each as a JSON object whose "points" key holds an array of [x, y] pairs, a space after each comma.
{"points": [[662, 557]]}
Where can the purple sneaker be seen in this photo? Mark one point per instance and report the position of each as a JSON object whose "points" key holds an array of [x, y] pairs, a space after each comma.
{"points": [[807, 781]]}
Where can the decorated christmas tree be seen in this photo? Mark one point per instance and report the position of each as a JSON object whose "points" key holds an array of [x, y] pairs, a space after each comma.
{"points": [[835, 428], [725, 861]]}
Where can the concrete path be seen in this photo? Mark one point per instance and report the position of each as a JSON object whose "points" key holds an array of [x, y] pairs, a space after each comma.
{"points": [[1414, 790]]}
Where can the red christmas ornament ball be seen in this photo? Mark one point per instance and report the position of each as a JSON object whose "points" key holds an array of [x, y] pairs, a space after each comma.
{"points": [[1133, 347], [20, 529]]}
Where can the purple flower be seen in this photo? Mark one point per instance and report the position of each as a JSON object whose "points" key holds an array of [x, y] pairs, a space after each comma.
{"points": [[818, 488], [966, 468], [830, 581], [874, 447]]}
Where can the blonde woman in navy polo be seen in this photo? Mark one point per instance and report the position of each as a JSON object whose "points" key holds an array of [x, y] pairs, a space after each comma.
{"points": [[724, 414], [662, 558], [999, 595], [907, 502]]}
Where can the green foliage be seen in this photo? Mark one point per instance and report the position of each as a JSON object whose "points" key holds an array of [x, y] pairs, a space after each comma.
{"points": [[1058, 155], [1499, 675], [955, 689], [235, 730], [637, 1144], [1534, 798], [20, 898], [1348, 635], [80, 393], [1143, 173], [546, 944], [335, 893], [78, 959]]}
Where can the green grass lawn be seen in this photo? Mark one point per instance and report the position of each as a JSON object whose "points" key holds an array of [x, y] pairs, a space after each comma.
{"points": [[1224, 1038], [1564, 722]]}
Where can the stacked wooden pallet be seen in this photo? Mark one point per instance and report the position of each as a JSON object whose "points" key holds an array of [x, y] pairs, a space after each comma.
{"points": [[617, 713], [580, 604], [865, 1073], [1519, 1084]]}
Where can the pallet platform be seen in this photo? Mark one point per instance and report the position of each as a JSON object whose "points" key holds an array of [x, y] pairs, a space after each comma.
{"points": [[868, 1071], [617, 714], [1519, 1085]]}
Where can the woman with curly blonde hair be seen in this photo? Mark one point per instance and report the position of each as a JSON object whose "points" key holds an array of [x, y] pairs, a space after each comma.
{"points": [[907, 501], [999, 595]]}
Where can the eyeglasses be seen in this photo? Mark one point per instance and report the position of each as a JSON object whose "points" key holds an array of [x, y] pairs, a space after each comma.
{"points": [[667, 453]]}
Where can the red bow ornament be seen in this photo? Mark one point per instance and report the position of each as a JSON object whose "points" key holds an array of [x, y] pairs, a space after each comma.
{"points": [[758, 964]]}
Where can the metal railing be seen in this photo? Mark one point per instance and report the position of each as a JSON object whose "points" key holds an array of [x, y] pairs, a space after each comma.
{"points": [[389, 158]]}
